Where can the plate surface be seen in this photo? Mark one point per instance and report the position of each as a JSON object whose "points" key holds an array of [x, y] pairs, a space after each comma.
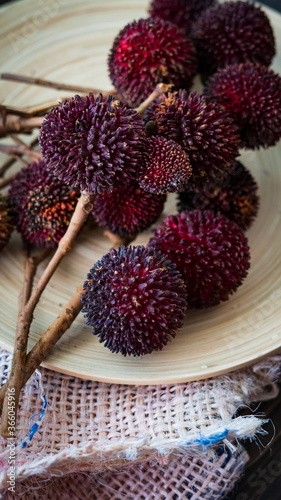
{"points": [[69, 42]]}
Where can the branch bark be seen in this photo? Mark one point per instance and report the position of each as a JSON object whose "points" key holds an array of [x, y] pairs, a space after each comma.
{"points": [[7, 181], [83, 208], [21, 149], [14, 123], [7, 165], [159, 89], [54, 85], [15, 158], [18, 362], [118, 241], [46, 343]]}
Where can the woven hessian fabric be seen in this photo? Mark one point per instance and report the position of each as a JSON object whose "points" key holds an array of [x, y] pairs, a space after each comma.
{"points": [[192, 478], [94, 427]]}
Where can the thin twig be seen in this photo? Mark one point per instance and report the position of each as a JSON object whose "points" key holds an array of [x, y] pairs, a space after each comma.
{"points": [[48, 340], [21, 149], [39, 109], [44, 345], [7, 165], [118, 241], [15, 158], [9, 110], [159, 89], [13, 123], [42, 109], [83, 208], [14, 381], [7, 181], [17, 140], [46, 83]]}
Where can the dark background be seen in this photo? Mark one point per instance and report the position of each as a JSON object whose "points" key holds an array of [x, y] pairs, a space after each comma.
{"points": [[275, 4]]}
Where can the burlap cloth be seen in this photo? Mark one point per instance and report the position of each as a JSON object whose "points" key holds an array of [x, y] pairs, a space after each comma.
{"points": [[79, 439]]}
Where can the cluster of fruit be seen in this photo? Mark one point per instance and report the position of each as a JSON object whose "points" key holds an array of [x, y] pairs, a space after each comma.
{"points": [[128, 160]]}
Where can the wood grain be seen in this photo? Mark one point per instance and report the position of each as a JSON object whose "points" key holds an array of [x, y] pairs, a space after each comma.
{"points": [[71, 46]]}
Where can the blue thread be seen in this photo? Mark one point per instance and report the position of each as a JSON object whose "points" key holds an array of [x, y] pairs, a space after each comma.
{"points": [[213, 439], [28, 437], [204, 441]]}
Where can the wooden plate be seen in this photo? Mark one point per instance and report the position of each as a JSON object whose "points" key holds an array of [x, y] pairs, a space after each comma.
{"points": [[69, 42]]}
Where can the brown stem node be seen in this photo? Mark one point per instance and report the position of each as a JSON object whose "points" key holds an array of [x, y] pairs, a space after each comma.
{"points": [[159, 89]]}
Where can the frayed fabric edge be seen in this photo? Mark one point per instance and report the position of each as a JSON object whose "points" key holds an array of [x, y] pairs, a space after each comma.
{"points": [[89, 457]]}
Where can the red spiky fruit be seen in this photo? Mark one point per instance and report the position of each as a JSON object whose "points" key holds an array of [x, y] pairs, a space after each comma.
{"points": [[6, 223], [128, 210], [210, 251], [183, 13], [232, 33], [42, 205], [92, 144], [147, 52], [134, 299], [203, 129], [166, 167], [251, 94], [236, 197]]}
